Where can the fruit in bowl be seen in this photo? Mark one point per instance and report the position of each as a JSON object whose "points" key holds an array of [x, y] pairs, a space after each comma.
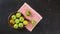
{"points": [[12, 22], [18, 14], [15, 26], [13, 17], [17, 20], [21, 25], [25, 22], [21, 19]]}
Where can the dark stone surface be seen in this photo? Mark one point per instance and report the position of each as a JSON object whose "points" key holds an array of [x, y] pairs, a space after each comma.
{"points": [[49, 9]]}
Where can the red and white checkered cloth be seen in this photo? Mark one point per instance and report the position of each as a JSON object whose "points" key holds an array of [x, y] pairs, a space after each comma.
{"points": [[34, 16]]}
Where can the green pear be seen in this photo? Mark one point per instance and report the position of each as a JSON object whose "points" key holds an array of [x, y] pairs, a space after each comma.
{"points": [[33, 22], [28, 13]]}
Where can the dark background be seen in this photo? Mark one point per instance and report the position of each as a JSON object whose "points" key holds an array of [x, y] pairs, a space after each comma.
{"points": [[49, 9]]}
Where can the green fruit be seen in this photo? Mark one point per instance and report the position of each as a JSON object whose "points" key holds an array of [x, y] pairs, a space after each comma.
{"points": [[17, 21], [15, 26], [21, 25], [21, 19], [33, 22], [13, 17], [18, 15], [28, 13]]}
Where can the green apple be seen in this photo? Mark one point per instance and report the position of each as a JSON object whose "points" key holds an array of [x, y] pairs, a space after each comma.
{"points": [[33, 22], [21, 25], [28, 13], [18, 14], [13, 17], [15, 26], [21, 19], [16, 20]]}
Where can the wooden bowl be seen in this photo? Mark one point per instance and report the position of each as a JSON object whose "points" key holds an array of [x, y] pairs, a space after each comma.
{"points": [[13, 13], [9, 18]]}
